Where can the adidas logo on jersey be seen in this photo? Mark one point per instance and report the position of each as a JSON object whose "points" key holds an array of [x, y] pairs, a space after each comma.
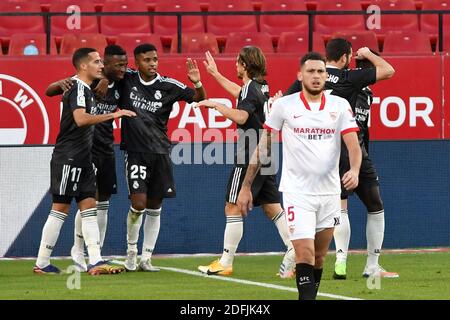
{"points": [[169, 190]]}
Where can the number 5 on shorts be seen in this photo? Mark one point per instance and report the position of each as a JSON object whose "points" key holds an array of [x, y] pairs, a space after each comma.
{"points": [[291, 215]]}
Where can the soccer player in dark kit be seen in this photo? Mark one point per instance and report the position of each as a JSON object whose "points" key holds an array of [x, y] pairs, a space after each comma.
{"points": [[107, 100], [72, 171], [146, 145]]}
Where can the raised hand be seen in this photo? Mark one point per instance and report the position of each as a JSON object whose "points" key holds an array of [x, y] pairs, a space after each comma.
{"points": [[193, 70], [210, 64]]}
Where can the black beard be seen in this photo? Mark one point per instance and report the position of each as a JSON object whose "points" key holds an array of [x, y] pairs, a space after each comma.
{"points": [[313, 91]]}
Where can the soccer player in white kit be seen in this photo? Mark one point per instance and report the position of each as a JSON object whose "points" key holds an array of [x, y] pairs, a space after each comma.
{"points": [[312, 123]]}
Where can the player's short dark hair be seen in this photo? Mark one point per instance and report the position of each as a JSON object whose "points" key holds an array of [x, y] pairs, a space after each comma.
{"points": [[312, 56], [81, 54], [143, 48], [365, 63], [254, 61], [114, 50], [336, 48]]}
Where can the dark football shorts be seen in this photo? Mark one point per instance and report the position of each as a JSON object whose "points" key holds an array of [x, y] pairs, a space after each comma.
{"points": [[150, 173], [264, 187], [368, 176], [69, 181], [106, 174]]}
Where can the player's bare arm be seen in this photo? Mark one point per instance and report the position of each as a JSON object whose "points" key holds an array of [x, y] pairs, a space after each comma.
{"points": [[210, 65], [59, 87], [384, 69], [235, 115], [194, 77], [260, 155], [101, 88], [85, 119], [350, 178]]}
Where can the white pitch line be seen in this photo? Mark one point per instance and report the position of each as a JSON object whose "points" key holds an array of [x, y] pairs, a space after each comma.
{"points": [[253, 283]]}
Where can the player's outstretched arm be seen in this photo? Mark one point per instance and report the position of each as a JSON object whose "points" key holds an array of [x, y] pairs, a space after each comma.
{"points": [[384, 68], [235, 115], [350, 178], [260, 155], [85, 119], [194, 77], [229, 86], [59, 87]]}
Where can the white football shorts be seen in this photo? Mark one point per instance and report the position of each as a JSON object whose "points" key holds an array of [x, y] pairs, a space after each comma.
{"points": [[308, 214]]}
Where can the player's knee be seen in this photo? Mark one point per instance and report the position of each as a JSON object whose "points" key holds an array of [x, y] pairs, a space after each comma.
{"points": [[304, 255], [138, 205], [375, 205]]}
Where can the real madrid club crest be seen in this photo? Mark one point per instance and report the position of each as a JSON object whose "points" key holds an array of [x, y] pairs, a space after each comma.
{"points": [[135, 185], [75, 187], [158, 95], [116, 94]]}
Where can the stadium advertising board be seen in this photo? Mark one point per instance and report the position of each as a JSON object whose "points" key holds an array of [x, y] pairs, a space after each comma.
{"points": [[409, 106]]}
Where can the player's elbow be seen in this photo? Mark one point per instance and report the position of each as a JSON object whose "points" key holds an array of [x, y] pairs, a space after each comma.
{"points": [[386, 73], [241, 119], [80, 122]]}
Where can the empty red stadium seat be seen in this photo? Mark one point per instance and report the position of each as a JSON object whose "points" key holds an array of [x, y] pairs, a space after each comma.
{"points": [[406, 43], [430, 22], [446, 46], [241, 39], [291, 42], [88, 24], [113, 25], [167, 25], [195, 43], [129, 41], [221, 26], [328, 24], [71, 42], [396, 22], [446, 42], [359, 39], [275, 25], [20, 24], [19, 42]]}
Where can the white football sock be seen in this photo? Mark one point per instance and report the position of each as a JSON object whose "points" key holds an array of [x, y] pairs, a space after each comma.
{"points": [[134, 222], [91, 234], [78, 240], [102, 219], [151, 230], [50, 234], [232, 236], [375, 235], [341, 235], [280, 222]]}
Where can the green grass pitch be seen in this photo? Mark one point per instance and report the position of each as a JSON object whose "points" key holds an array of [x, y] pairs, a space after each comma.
{"points": [[423, 276]]}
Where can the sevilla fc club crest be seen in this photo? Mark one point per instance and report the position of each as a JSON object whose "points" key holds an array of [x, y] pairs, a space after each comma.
{"points": [[24, 119], [333, 116]]}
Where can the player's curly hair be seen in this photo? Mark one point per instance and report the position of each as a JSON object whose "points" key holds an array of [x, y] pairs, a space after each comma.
{"points": [[254, 62]]}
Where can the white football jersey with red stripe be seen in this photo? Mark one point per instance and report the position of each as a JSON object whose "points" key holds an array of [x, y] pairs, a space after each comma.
{"points": [[311, 138]]}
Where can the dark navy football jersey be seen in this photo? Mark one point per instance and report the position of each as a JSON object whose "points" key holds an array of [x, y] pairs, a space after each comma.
{"points": [[152, 101], [103, 144], [253, 98], [74, 144], [362, 111]]}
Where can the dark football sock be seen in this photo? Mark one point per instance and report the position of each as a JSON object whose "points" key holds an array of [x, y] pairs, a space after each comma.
{"points": [[306, 284]]}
